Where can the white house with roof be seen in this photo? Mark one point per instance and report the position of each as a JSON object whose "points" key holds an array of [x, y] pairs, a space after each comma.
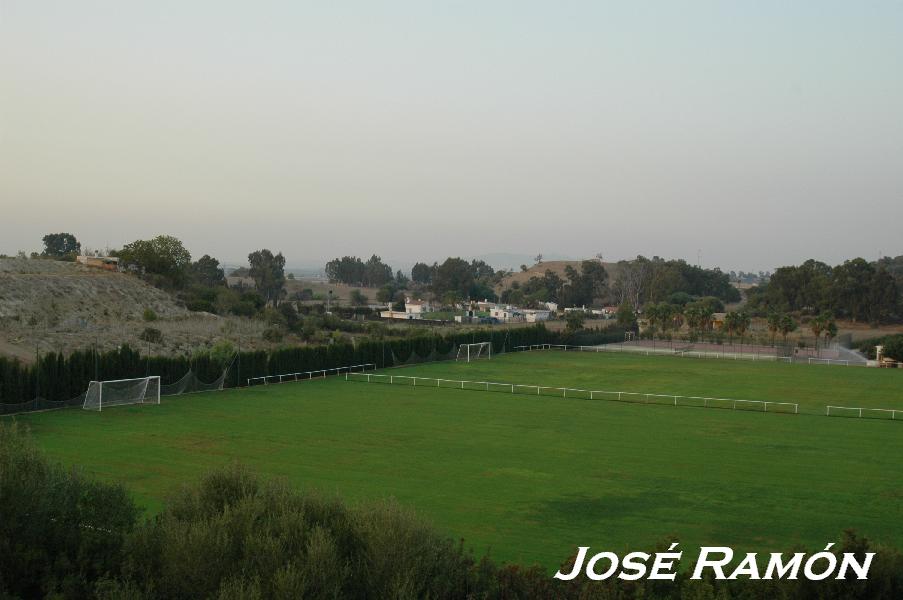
{"points": [[506, 313], [536, 315], [417, 308]]}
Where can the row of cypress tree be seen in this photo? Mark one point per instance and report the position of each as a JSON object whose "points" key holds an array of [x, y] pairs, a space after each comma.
{"points": [[59, 377]]}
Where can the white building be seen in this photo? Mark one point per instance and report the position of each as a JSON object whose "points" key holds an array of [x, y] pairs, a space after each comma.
{"points": [[417, 307], [535, 316], [506, 314], [396, 314]]}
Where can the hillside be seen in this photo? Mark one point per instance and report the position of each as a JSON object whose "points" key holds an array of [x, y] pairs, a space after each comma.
{"points": [[556, 266], [49, 305]]}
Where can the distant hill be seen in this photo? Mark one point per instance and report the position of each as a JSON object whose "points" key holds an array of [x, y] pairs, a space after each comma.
{"points": [[556, 266]]}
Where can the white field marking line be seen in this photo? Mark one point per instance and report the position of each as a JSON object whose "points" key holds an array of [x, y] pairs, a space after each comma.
{"points": [[485, 386]]}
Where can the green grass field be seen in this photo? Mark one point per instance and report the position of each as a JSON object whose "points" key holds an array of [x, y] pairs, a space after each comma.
{"points": [[530, 478]]}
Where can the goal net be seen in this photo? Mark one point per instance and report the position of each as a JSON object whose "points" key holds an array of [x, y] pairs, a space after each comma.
{"points": [[104, 394], [469, 352]]}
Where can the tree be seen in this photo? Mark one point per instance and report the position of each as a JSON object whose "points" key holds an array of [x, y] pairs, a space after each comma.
{"points": [[453, 279], [422, 273], [358, 298], [584, 286], [788, 326], [699, 315], [774, 323], [376, 272], [386, 293], [658, 316], [59, 245], [268, 272], [627, 316], [574, 320], [538, 259], [207, 271], [163, 259]]}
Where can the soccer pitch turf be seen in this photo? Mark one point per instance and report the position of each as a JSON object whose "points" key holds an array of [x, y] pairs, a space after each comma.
{"points": [[530, 478]]}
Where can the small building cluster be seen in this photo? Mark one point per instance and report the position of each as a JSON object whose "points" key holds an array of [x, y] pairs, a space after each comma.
{"points": [[95, 260]]}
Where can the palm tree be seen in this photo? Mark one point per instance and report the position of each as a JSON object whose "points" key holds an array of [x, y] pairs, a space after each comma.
{"points": [[774, 324], [829, 326], [817, 325], [742, 325], [788, 325], [731, 324]]}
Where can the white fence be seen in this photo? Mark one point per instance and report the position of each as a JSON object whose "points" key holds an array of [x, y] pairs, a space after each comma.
{"points": [[320, 374], [828, 361], [862, 412], [578, 393]]}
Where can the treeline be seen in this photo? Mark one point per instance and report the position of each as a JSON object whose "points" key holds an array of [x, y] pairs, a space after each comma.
{"points": [[454, 280], [645, 280], [58, 377], [577, 288], [234, 535], [351, 270], [857, 290]]}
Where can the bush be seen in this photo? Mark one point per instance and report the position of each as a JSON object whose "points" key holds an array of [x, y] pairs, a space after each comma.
{"points": [[272, 334], [149, 315], [151, 335], [200, 306], [59, 531], [234, 532], [244, 309]]}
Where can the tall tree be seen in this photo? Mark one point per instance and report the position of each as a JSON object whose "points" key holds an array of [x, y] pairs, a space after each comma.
{"points": [[453, 279], [59, 245], [163, 259], [422, 273], [268, 272], [207, 271]]}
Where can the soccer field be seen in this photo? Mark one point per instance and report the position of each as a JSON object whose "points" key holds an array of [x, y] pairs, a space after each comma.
{"points": [[529, 478]]}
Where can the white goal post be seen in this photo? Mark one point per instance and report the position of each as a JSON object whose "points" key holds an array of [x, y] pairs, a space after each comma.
{"points": [[469, 352], [117, 392]]}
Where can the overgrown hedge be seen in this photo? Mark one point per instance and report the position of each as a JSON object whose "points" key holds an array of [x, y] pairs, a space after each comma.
{"points": [[59, 377]]}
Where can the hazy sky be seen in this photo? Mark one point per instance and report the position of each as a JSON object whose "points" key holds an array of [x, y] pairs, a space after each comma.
{"points": [[761, 132]]}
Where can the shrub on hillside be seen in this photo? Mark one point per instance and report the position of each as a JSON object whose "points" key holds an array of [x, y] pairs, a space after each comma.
{"points": [[149, 315], [151, 335]]}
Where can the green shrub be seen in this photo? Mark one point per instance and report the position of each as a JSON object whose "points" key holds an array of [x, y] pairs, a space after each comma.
{"points": [[152, 335], [59, 531], [272, 334], [149, 315]]}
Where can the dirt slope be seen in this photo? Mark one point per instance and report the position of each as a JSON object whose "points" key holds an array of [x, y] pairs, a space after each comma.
{"points": [[52, 293]]}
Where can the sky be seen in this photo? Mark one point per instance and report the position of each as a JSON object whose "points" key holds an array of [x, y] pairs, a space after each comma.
{"points": [[746, 134]]}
